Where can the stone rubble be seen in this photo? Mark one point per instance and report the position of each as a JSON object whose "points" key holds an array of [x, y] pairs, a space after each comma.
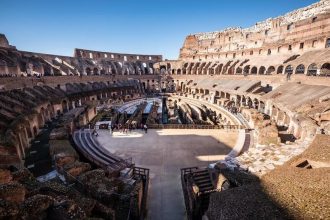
{"points": [[261, 159]]}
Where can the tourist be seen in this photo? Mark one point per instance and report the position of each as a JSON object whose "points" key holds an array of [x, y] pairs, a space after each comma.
{"points": [[145, 128]]}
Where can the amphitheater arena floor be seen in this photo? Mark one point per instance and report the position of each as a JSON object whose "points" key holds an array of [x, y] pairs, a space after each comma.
{"points": [[164, 152]]}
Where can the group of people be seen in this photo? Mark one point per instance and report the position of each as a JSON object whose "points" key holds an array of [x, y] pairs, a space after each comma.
{"points": [[127, 128]]}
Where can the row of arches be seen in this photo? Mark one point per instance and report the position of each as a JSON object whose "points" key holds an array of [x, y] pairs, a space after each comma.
{"points": [[119, 68], [217, 69]]}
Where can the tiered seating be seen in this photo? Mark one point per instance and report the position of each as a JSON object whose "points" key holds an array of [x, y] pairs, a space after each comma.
{"points": [[93, 151]]}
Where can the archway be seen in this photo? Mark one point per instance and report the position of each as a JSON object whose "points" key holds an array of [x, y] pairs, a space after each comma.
{"points": [[254, 70], [102, 72], [246, 70], [88, 71], [270, 70], [300, 69], [262, 70], [325, 69], [95, 71], [288, 69], [64, 106], [35, 131], [312, 70], [239, 70], [280, 70]]}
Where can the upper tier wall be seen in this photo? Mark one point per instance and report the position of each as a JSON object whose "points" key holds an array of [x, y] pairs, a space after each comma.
{"points": [[299, 31]]}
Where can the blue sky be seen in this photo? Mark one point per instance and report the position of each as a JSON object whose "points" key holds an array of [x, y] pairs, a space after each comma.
{"points": [[127, 26]]}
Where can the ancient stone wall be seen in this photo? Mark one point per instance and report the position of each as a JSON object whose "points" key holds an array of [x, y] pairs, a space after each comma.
{"points": [[309, 25]]}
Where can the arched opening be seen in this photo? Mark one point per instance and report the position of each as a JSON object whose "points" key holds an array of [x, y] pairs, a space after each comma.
{"points": [[40, 121], [218, 69], [262, 70], [270, 70], [300, 69], [312, 70], [146, 70], [246, 70], [50, 110], [102, 72], [47, 70], [288, 69], [88, 71], [95, 71], [178, 72], [64, 106], [254, 70], [325, 69], [239, 70], [35, 131], [280, 70], [28, 128]]}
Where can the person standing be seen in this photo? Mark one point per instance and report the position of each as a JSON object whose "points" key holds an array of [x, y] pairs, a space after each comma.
{"points": [[145, 128]]}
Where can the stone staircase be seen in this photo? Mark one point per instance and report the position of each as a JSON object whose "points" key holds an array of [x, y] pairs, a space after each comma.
{"points": [[203, 180]]}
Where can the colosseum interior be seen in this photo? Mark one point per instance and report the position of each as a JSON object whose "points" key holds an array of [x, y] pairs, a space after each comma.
{"points": [[237, 128]]}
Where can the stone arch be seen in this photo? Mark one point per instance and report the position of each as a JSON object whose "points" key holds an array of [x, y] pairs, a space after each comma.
{"points": [[50, 111], [40, 121], [35, 131], [254, 70], [88, 71], [262, 70], [300, 69], [178, 72], [270, 70], [246, 70], [95, 71], [64, 106], [239, 70], [288, 69], [280, 69], [312, 70], [325, 69], [103, 72], [27, 126], [218, 69]]}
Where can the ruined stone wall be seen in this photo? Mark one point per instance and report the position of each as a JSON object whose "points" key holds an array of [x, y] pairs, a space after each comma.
{"points": [[9, 83], [85, 62], [309, 25]]}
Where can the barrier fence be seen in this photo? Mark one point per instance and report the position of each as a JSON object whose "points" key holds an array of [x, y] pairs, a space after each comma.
{"points": [[193, 126]]}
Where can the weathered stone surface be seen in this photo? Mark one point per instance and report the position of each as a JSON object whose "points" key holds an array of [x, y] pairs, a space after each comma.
{"points": [[5, 176], [8, 209], [75, 169], [36, 206], [12, 192]]}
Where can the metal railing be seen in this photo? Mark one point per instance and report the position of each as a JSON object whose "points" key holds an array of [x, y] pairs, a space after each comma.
{"points": [[192, 126]]}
